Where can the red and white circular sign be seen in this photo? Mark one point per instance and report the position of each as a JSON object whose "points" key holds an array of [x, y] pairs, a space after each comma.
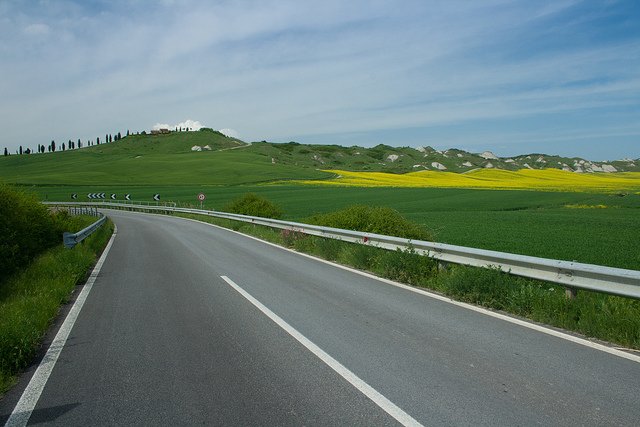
{"points": [[201, 197]]}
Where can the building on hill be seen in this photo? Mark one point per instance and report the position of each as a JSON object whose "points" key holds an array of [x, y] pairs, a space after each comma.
{"points": [[160, 131]]}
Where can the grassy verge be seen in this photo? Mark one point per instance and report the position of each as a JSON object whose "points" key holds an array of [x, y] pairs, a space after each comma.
{"points": [[605, 317], [31, 298]]}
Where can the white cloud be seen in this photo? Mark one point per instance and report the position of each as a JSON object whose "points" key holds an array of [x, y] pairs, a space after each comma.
{"points": [[191, 124], [231, 133]]}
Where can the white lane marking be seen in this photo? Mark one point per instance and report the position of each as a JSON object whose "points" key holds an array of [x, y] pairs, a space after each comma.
{"points": [[526, 324], [506, 318], [384, 403], [22, 412]]}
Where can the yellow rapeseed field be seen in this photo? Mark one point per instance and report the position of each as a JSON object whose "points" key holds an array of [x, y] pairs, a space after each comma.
{"points": [[525, 179]]}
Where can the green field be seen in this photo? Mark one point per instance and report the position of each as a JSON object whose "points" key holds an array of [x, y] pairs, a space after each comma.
{"points": [[585, 227]]}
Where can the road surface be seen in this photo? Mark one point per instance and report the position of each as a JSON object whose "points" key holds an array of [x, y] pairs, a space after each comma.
{"points": [[190, 324]]}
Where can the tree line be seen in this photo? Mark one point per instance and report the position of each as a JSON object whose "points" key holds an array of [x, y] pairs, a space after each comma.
{"points": [[73, 145], [69, 145]]}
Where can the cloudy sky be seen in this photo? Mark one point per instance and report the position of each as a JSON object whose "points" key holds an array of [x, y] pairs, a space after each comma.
{"points": [[513, 77]]}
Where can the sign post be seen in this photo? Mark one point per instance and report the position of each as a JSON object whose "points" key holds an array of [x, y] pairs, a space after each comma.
{"points": [[201, 197]]}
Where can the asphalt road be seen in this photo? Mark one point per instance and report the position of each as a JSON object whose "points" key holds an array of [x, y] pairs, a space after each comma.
{"points": [[164, 338]]}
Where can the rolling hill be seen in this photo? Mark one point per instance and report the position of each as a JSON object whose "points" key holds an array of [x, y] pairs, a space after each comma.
{"points": [[207, 157]]}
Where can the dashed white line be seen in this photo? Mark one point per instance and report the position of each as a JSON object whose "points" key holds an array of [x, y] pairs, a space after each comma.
{"points": [[623, 353], [384, 403]]}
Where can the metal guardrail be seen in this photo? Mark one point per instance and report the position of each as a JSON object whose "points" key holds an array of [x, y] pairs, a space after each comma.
{"points": [[72, 239], [573, 275]]}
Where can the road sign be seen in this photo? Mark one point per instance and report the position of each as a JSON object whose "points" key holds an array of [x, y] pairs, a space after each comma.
{"points": [[201, 197], [127, 196], [156, 197], [113, 196], [74, 196]]}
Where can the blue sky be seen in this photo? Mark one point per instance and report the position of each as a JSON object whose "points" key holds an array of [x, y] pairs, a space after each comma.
{"points": [[514, 77]]}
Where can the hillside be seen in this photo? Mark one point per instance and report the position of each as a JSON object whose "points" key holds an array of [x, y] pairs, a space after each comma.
{"points": [[167, 159], [207, 157], [384, 158]]}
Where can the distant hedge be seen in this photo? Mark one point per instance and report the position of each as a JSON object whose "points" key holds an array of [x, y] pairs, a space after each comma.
{"points": [[254, 205], [372, 219], [27, 228]]}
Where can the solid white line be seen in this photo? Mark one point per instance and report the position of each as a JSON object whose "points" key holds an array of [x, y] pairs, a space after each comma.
{"points": [[384, 403], [22, 412]]}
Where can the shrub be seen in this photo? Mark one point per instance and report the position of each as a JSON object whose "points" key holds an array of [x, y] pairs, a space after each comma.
{"points": [[254, 205], [27, 229], [379, 220]]}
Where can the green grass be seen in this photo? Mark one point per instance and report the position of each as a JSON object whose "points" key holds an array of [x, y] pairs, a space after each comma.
{"points": [[606, 317], [30, 299], [155, 160], [525, 222]]}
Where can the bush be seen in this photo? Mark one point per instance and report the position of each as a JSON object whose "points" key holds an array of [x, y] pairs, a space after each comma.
{"points": [[26, 230], [379, 220], [254, 205]]}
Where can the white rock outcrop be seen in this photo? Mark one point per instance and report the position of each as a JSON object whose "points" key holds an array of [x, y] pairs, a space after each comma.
{"points": [[609, 168], [392, 157], [489, 165], [438, 166], [206, 147], [196, 148], [421, 149], [489, 155], [467, 164]]}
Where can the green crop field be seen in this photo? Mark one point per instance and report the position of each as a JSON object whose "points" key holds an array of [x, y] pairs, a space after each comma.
{"points": [[586, 227]]}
